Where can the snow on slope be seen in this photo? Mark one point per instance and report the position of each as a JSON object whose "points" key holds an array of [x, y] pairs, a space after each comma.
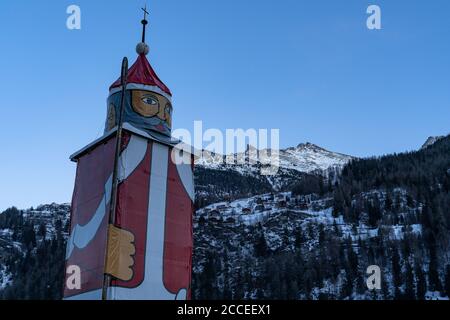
{"points": [[308, 209], [5, 277]]}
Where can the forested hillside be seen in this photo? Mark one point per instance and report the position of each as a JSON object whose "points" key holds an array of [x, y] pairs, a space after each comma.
{"points": [[32, 251], [391, 211]]}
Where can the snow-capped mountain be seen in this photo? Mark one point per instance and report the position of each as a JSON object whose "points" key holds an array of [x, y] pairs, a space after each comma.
{"points": [[306, 158], [255, 171]]}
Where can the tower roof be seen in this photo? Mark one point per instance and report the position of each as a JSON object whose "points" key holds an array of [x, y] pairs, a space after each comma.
{"points": [[142, 73]]}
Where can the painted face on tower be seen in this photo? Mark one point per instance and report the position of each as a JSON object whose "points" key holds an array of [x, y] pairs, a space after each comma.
{"points": [[149, 104], [145, 110]]}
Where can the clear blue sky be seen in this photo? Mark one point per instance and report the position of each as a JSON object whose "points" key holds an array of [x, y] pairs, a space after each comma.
{"points": [[308, 67]]}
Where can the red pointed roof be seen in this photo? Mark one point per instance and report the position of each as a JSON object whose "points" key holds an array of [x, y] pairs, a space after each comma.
{"points": [[141, 72]]}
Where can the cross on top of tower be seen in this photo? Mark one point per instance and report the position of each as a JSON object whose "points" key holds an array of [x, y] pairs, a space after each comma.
{"points": [[145, 12], [144, 22], [142, 48]]}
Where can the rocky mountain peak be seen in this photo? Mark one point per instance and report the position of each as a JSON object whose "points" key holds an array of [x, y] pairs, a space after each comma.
{"points": [[431, 140]]}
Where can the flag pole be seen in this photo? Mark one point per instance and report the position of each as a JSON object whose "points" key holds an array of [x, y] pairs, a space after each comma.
{"points": [[115, 178]]}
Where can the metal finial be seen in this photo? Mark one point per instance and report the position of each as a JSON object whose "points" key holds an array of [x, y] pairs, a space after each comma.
{"points": [[142, 47], [144, 22]]}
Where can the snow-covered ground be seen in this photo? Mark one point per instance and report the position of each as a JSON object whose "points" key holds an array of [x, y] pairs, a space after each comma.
{"points": [[248, 211], [5, 277], [265, 207], [435, 296]]}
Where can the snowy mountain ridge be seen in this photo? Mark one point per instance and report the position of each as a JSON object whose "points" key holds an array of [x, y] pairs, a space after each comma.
{"points": [[306, 158]]}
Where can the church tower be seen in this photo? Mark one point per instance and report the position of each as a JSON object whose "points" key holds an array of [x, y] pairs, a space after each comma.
{"points": [[132, 206]]}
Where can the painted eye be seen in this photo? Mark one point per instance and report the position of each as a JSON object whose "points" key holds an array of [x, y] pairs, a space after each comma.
{"points": [[168, 109], [150, 100]]}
